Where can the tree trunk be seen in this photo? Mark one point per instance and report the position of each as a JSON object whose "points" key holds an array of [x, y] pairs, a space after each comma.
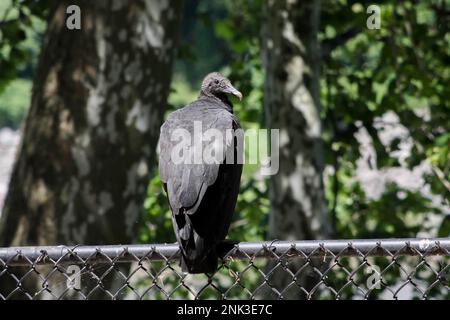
{"points": [[90, 135], [291, 56]]}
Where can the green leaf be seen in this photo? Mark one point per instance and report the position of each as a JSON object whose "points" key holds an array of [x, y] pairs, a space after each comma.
{"points": [[444, 229]]}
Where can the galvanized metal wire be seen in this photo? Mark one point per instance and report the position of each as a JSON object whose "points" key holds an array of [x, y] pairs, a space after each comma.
{"points": [[328, 269]]}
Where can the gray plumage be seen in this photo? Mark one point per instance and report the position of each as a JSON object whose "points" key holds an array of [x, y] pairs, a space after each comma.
{"points": [[202, 196]]}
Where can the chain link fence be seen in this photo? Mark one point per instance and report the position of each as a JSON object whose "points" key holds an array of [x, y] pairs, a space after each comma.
{"points": [[329, 269]]}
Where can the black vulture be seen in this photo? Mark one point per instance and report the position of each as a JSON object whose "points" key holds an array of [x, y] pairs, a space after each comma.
{"points": [[202, 195]]}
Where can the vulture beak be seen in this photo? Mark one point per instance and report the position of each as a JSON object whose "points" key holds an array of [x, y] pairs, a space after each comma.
{"points": [[232, 90]]}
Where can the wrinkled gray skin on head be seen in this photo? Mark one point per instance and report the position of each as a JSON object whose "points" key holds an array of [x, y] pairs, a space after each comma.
{"points": [[215, 84]]}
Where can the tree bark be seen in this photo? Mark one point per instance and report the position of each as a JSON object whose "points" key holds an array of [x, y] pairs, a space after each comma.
{"points": [[291, 57], [90, 135]]}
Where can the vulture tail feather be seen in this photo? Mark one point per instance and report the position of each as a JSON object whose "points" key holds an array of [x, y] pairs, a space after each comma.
{"points": [[207, 264]]}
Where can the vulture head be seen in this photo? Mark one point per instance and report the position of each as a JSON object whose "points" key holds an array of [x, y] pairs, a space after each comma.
{"points": [[215, 84]]}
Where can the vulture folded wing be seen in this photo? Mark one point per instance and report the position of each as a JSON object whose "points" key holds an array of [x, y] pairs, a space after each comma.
{"points": [[187, 183]]}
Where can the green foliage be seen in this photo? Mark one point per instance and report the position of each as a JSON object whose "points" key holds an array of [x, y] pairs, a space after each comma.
{"points": [[157, 226], [21, 28], [199, 45], [181, 93], [401, 68], [14, 102]]}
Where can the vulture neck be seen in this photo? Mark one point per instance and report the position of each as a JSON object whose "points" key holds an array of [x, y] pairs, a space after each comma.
{"points": [[223, 98]]}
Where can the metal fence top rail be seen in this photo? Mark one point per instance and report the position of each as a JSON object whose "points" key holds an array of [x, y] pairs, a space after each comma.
{"points": [[244, 250]]}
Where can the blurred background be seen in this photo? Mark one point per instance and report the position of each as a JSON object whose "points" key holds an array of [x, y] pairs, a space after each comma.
{"points": [[364, 116]]}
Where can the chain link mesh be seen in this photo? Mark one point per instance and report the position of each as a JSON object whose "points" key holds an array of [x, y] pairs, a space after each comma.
{"points": [[334, 269]]}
